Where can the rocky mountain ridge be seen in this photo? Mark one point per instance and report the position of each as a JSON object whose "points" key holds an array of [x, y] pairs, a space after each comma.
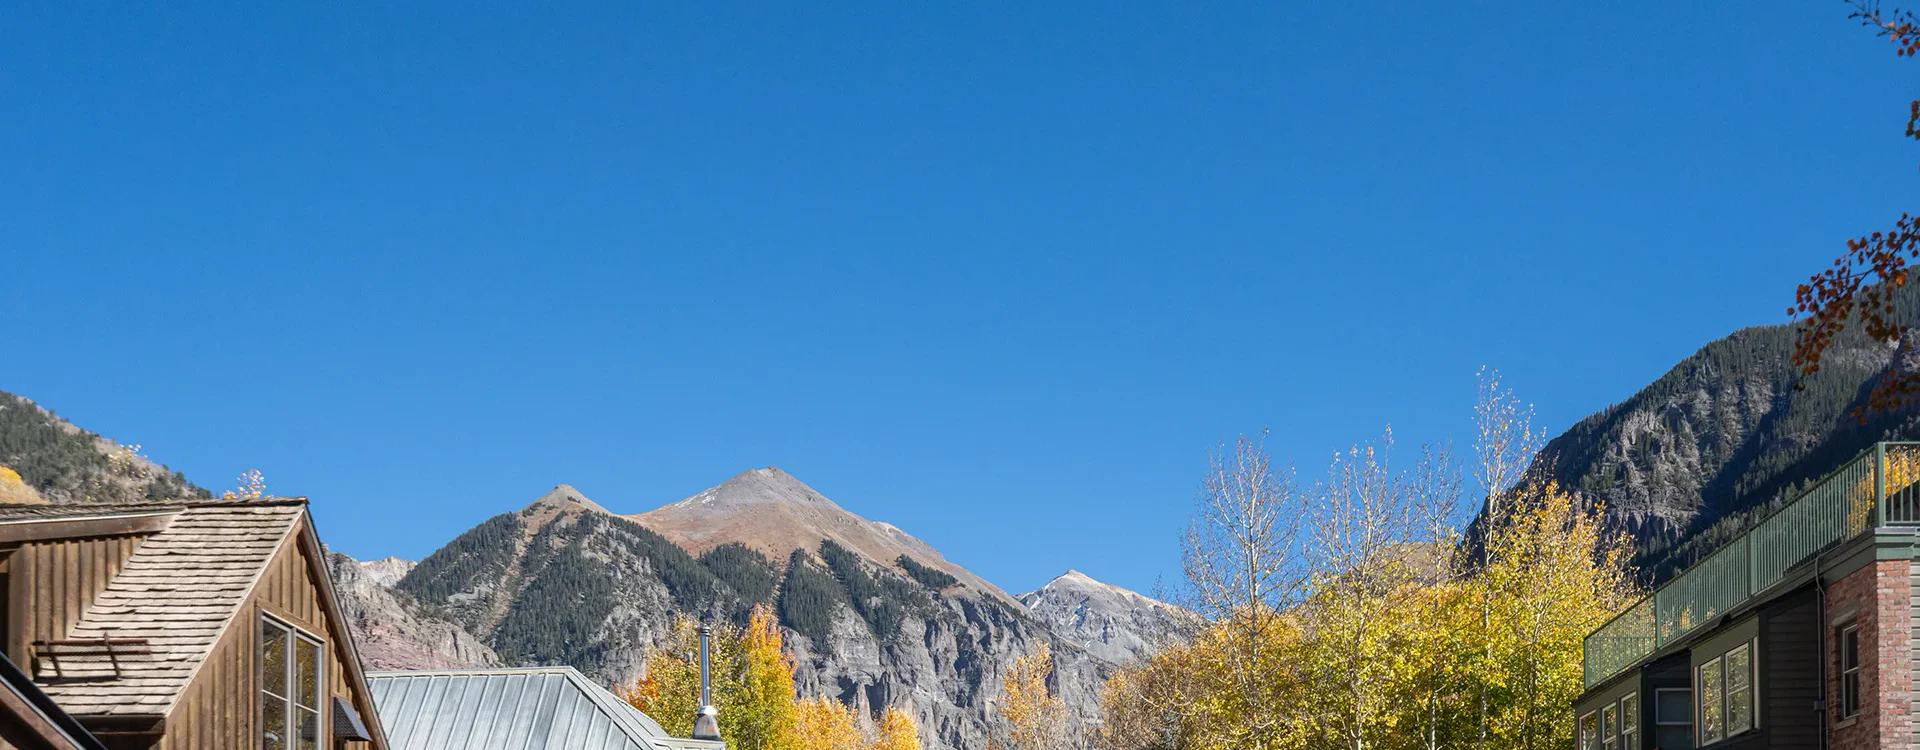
{"points": [[874, 616]]}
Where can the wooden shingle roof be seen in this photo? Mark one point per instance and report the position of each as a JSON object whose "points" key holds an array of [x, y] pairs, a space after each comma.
{"points": [[180, 591]]}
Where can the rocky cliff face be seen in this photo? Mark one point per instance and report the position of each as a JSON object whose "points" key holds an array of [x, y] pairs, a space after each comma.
{"points": [[391, 630], [564, 580], [1111, 623], [386, 571]]}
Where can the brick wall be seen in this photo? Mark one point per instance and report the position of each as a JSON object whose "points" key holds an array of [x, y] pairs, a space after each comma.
{"points": [[1882, 596]]}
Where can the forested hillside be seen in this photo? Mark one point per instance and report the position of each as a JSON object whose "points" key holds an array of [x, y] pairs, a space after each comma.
{"points": [[62, 463]]}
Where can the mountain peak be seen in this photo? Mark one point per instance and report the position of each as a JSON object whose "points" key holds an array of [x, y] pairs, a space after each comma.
{"points": [[755, 487], [1074, 583], [561, 497], [771, 511]]}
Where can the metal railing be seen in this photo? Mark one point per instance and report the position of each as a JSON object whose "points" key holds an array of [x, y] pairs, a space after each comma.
{"points": [[1876, 488]]}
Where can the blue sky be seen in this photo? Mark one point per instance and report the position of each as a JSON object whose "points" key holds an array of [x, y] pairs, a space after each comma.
{"points": [[996, 273]]}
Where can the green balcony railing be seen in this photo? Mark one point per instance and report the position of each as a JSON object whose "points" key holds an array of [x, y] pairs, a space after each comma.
{"points": [[1876, 488]]}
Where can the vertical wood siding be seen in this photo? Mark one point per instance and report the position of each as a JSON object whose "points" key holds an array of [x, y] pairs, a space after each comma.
{"points": [[59, 579], [220, 707], [1790, 671]]}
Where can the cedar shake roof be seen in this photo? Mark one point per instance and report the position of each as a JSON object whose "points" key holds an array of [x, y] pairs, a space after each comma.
{"points": [[180, 591], [10, 512]]}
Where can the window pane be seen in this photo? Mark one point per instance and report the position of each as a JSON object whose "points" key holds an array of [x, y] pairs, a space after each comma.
{"points": [[1590, 732], [1849, 670], [307, 733], [307, 676], [1609, 722], [1712, 721], [273, 723], [1673, 707], [1850, 694], [1739, 690], [273, 658], [1629, 713]]}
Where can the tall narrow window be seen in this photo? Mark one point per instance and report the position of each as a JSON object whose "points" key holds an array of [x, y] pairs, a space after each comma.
{"points": [[1610, 727], [1629, 721], [1713, 718], [1849, 642], [1739, 689], [1590, 732], [290, 663]]}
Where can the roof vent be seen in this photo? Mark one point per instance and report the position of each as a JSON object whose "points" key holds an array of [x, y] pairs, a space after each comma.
{"points": [[346, 722]]}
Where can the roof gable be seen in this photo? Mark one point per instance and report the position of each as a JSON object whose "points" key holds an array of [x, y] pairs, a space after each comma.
{"points": [[180, 591]]}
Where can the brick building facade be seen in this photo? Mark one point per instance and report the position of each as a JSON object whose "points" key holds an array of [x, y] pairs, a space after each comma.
{"points": [[1797, 634]]}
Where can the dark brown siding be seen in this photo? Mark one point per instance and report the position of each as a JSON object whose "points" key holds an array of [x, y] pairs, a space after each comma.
{"points": [[219, 707], [1790, 671], [56, 580]]}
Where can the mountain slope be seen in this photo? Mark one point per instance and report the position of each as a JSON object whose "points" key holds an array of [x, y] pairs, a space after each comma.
{"points": [[1110, 622], [1695, 456]]}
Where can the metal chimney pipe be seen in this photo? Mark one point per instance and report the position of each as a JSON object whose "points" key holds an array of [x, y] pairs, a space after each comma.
{"points": [[706, 721]]}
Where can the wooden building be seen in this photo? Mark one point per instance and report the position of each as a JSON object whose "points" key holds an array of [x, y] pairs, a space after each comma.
{"points": [[203, 624]]}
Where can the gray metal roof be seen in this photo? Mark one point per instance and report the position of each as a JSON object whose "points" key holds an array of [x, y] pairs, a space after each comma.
{"points": [[536, 708]]}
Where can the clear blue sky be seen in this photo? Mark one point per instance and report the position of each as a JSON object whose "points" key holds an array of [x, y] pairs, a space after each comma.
{"points": [[996, 273]]}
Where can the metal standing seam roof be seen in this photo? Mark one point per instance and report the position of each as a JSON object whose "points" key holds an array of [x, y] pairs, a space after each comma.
{"points": [[511, 709], [178, 590]]}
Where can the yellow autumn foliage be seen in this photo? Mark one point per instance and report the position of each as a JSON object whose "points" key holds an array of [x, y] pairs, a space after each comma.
{"points": [[896, 731], [822, 723], [1030, 716], [752, 683], [1402, 668], [15, 490]]}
